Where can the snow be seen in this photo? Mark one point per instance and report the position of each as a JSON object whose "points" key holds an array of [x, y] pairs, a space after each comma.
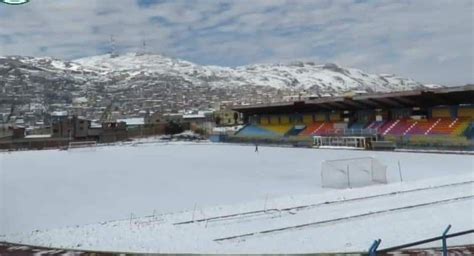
{"points": [[58, 64], [59, 113], [194, 116], [96, 125], [133, 121], [81, 199], [328, 77], [37, 136], [80, 100], [231, 129]]}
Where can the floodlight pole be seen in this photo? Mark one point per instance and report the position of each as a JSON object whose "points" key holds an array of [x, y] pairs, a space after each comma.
{"points": [[348, 177], [373, 248], [445, 246], [400, 171]]}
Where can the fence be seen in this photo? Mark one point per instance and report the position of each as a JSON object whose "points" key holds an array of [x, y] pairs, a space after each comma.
{"points": [[28, 144], [355, 132], [432, 142], [146, 130], [444, 237]]}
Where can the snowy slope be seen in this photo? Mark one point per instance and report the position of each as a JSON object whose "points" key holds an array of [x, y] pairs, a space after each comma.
{"points": [[336, 221], [116, 182], [304, 75], [131, 79]]}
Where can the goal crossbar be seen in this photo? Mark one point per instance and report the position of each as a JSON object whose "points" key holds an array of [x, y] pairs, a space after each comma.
{"points": [[352, 172]]}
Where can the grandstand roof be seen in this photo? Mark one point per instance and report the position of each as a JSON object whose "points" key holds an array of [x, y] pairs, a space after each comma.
{"points": [[404, 99]]}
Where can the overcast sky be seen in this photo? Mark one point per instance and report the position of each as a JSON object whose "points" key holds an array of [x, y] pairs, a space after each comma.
{"points": [[430, 41]]}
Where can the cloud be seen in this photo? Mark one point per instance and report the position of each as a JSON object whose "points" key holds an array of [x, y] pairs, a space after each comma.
{"points": [[430, 41]]}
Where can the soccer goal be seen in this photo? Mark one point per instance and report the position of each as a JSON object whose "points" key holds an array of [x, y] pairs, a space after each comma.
{"points": [[352, 172]]}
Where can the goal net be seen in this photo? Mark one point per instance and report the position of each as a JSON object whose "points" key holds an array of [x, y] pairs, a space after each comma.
{"points": [[352, 172]]}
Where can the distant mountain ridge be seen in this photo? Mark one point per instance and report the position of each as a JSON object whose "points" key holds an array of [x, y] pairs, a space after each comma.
{"points": [[124, 69], [326, 78], [135, 82]]}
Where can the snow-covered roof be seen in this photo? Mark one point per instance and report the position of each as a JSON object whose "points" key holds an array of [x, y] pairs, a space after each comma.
{"points": [[227, 128], [96, 125], [37, 136], [59, 113], [80, 100], [193, 116], [173, 114], [133, 121]]}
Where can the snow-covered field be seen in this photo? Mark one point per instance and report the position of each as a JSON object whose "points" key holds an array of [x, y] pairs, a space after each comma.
{"points": [[274, 199]]}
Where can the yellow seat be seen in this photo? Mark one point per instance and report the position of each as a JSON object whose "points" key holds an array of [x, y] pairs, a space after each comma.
{"points": [[466, 112], [278, 128]]}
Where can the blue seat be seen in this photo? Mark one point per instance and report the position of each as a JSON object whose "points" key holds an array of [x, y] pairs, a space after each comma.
{"points": [[358, 126], [295, 130], [255, 131]]}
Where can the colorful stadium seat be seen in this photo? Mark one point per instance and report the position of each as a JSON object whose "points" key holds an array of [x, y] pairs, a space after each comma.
{"points": [[255, 131], [296, 130], [466, 112], [319, 129], [444, 126], [435, 126], [311, 129], [397, 127], [358, 126], [280, 129], [375, 125]]}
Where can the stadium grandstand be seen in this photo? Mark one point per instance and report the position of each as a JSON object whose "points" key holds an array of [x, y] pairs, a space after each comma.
{"points": [[440, 118]]}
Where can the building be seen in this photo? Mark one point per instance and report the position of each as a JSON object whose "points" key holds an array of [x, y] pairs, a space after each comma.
{"points": [[113, 131], [61, 125], [133, 122], [80, 128], [442, 117], [227, 117], [203, 120]]}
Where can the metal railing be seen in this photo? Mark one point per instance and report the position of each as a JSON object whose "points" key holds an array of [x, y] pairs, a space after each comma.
{"points": [[355, 131], [444, 236]]}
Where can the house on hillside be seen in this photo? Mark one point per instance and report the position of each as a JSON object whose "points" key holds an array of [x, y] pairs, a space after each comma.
{"points": [[203, 120], [227, 117], [133, 122]]}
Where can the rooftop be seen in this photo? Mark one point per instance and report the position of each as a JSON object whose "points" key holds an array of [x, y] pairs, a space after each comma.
{"points": [[405, 99]]}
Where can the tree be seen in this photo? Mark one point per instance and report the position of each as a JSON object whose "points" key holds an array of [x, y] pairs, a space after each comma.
{"points": [[173, 127]]}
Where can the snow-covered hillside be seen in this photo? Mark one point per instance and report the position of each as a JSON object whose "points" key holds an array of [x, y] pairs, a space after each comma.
{"points": [[327, 78], [127, 68], [136, 82]]}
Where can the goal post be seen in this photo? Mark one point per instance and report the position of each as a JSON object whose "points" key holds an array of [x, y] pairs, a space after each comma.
{"points": [[352, 172]]}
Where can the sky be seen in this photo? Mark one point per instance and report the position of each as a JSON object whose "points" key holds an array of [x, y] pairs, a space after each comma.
{"points": [[431, 41]]}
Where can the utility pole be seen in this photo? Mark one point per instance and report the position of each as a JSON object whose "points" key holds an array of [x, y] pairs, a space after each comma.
{"points": [[113, 47]]}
